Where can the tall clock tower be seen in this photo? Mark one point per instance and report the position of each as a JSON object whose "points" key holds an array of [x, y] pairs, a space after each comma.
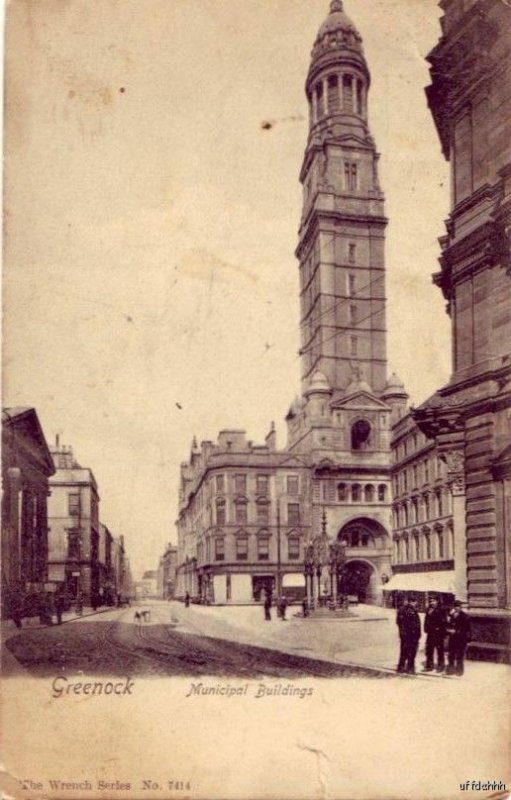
{"points": [[341, 238], [341, 422]]}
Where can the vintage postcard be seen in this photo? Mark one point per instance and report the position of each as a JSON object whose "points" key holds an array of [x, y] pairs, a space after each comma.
{"points": [[256, 417]]}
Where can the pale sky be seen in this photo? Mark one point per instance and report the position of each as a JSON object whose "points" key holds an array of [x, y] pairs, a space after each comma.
{"points": [[151, 225]]}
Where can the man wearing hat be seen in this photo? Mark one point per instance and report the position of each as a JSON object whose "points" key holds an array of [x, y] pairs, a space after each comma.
{"points": [[434, 628], [458, 630], [409, 625]]}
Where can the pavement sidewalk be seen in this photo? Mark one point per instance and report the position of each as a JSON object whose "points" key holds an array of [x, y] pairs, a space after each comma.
{"points": [[8, 627], [369, 639]]}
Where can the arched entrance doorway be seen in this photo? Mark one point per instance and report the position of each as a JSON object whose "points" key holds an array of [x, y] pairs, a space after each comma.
{"points": [[355, 580], [367, 548]]}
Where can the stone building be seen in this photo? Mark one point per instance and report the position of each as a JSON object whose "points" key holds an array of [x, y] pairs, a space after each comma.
{"points": [[469, 418], [330, 486], [243, 521], [426, 545], [74, 538], [27, 466]]}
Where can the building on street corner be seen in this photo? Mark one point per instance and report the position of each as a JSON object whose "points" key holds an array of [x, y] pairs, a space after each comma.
{"points": [[243, 520], [27, 466]]}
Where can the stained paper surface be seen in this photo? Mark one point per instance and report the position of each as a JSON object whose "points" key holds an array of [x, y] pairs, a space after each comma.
{"points": [[151, 204]]}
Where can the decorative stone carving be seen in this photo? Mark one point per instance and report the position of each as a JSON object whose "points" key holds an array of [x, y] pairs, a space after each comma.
{"points": [[455, 461]]}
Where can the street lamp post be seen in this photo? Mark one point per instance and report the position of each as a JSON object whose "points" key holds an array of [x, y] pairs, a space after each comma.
{"points": [[279, 556]]}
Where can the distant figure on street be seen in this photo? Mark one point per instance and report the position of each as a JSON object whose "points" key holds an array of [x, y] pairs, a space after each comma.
{"points": [[79, 605], [267, 606], [187, 600], [434, 628], [458, 630], [282, 607], [409, 624], [305, 607], [59, 607]]}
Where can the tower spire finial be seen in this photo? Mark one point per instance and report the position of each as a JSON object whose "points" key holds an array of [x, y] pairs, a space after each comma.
{"points": [[336, 5]]}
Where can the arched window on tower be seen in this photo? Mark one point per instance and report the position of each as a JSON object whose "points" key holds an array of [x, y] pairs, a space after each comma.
{"points": [[347, 93], [356, 492], [360, 435], [320, 99], [341, 492], [360, 101], [382, 493], [369, 493], [333, 94]]}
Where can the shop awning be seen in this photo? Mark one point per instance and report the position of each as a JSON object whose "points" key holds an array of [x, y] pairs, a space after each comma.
{"points": [[441, 581], [293, 579]]}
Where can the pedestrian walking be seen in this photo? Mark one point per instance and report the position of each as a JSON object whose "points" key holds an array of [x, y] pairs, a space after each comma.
{"points": [[434, 627], [282, 607], [187, 600], [267, 606], [409, 625], [458, 631]]}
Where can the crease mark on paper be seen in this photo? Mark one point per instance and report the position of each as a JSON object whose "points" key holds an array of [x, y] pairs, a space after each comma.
{"points": [[320, 755]]}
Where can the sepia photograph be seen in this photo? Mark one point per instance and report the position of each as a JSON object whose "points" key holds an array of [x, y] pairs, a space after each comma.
{"points": [[256, 400]]}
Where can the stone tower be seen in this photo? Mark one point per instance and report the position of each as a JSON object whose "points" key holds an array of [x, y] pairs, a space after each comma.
{"points": [[341, 422], [341, 237]]}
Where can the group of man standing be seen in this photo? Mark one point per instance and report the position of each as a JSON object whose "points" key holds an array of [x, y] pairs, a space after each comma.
{"points": [[445, 630], [281, 606]]}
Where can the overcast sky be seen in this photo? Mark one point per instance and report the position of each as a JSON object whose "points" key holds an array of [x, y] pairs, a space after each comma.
{"points": [[150, 283]]}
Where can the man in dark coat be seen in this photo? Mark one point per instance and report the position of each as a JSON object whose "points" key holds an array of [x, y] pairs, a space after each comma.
{"points": [[282, 607], [434, 628], [267, 605], [409, 624], [458, 630]]}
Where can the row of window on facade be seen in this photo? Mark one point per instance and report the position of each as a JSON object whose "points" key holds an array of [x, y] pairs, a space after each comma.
{"points": [[431, 505], [336, 93], [242, 550], [419, 474], [262, 512], [262, 484], [418, 547]]}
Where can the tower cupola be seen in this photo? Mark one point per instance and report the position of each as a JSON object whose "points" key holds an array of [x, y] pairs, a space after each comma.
{"points": [[338, 77]]}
